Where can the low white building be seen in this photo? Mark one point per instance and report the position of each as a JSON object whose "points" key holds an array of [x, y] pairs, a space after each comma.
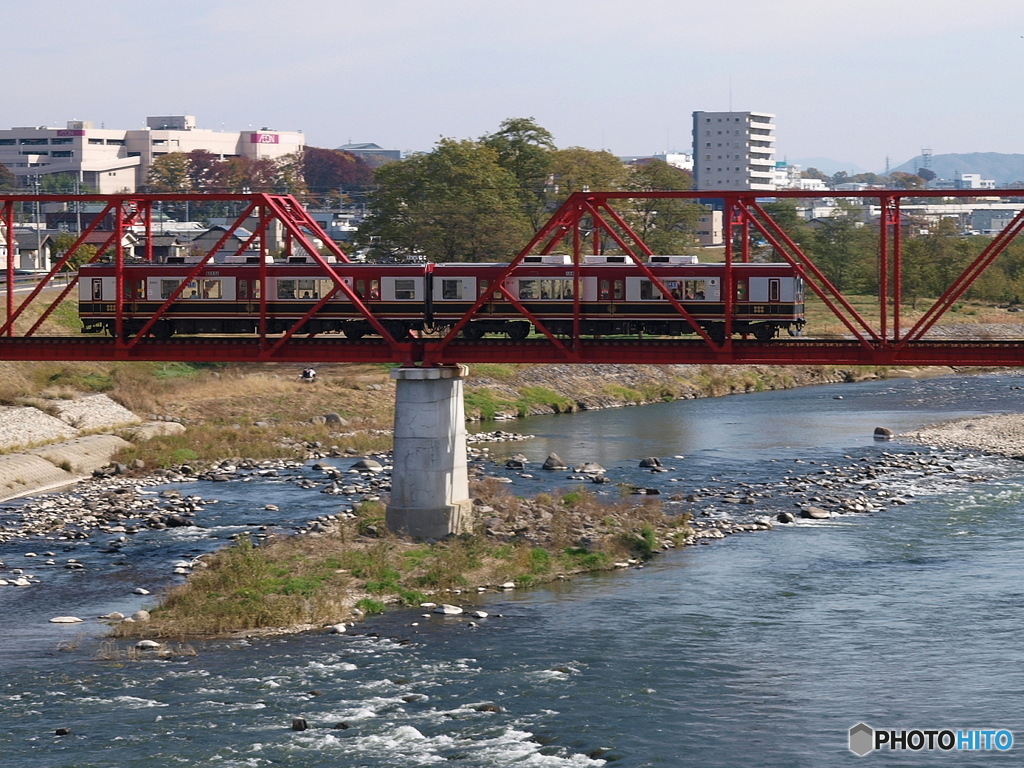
{"points": [[117, 160]]}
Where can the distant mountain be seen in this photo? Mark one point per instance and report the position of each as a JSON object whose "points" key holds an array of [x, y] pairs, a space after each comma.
{"points": [[826, 165], [1004, 168]]}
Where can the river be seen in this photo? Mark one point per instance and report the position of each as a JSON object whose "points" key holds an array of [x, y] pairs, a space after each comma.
{"points": [[758, 650]]}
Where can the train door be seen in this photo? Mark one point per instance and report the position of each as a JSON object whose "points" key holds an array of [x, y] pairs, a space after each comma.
{"points": [[774, 290], [249, 294], [134, 291]]}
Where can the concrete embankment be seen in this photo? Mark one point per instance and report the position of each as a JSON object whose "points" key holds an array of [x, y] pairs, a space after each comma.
{"points": [[49, 443]]}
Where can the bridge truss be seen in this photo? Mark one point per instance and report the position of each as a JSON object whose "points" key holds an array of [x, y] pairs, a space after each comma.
{"points": [[591, 222]]}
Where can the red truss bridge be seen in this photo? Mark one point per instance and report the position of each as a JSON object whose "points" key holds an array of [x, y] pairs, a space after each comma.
{"points": [[585, 289]]}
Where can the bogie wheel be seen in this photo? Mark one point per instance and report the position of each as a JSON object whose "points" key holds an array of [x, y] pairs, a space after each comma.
{"points": [[353, 332], [163, 329], [473, 331], [764, 332], [517, 331]]}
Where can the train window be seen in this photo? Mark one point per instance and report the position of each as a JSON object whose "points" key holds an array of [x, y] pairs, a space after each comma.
{"points": [[167, 287], [483, 286], [325, 286], [741, 290], [243, 289], [619, 288], [773, 290], [529, 289], [256, 289], [97, 289], [649, 290], [605, 291], [191, 291], [695, 289], [405, 290], [361, 288], [212, 289], [375, 290], [307, 289], [451, 289], [286, 289]]}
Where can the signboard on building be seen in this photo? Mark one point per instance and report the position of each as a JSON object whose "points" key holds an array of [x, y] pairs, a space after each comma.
{"points": [[264, 138], [69, 132]]}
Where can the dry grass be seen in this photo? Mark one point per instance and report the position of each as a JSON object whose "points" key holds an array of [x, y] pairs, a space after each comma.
{"points": [[320, 579]]}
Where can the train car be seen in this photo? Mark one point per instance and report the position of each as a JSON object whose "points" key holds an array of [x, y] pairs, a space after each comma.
{"points": [[227, 298], [616, 297]]}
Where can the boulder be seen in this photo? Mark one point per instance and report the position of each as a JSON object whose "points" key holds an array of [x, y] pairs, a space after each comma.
{"points": [[448, 610], [335, 420], [650, 462], [147, 645], [590, 468], [786, 517], [140, 616], [815, 513], [883, 433], [65, 620], [553, 462], [368, 465]]}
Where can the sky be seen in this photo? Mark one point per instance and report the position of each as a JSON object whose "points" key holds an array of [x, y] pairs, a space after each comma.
{"points": [[855, 81]]}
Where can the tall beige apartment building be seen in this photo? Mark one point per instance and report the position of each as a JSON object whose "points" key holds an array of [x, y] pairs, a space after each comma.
{"points": [[117, 160]]}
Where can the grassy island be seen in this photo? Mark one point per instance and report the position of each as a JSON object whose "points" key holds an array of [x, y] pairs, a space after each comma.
{"points": [[353, 566]]}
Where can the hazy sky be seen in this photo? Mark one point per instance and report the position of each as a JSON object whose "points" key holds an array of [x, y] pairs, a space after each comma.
{"points": [[856, 81]]}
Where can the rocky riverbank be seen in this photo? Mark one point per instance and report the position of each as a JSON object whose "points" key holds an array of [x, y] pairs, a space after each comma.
{"points": [[1000, 434]]}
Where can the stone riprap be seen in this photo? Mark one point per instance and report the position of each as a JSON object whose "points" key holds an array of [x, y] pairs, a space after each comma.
{"points": [[22, 473], [93, 412], [21, 426], [83, 455], [1001, 434]]}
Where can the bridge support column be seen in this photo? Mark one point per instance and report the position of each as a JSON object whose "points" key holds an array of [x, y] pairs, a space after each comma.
{"points": [[430, 482]]}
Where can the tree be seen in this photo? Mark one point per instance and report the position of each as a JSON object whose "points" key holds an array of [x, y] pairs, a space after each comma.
{"points": [[581, 170], [206, 171], [82, 255], [7, 179], [814, 173], [926, 173], [455, 203], [844, 249], [170, 173], [666, 225], [901, 180], [524, 149], [326, 171]]}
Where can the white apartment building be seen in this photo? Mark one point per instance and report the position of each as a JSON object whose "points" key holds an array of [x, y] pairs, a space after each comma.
{"points": [[117, 160], [733, 150]]}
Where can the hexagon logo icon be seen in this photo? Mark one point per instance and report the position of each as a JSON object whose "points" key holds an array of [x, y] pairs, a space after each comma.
{"points": [[862, 738]]}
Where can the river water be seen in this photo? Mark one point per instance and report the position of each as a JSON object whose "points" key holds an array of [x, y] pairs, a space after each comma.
{"points": [[758, 650]]}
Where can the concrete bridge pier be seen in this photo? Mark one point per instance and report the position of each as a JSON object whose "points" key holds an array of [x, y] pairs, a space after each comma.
{"points": [[430, 481]]}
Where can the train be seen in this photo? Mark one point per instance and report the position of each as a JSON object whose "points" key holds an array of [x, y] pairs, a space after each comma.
{"points": [[420, 300]]}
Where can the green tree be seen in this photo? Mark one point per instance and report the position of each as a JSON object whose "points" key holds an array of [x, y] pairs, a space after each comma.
{"points": [[8, 180], [785, 214], [814, 173], [524, 149], [583, 170], [82, 255], [844, 249], [455, 203], [170, 173], [666, 225]]}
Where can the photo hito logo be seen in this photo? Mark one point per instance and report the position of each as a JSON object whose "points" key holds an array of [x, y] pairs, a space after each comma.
{"points": [[865, 739]]}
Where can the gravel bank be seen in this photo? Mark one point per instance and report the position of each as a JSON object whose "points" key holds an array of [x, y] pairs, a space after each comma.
{"points": [[1001, 434]]}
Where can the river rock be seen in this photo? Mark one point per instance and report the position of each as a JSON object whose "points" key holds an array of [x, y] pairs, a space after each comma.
{"points": [[786, 517], [883, 433], [337, 629], [815, 513], [650, 462], [140, 616], [368, 465], [147, 645], [590, 468], [141, 591], [553, 462], [65, 620], [448, 610]]}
